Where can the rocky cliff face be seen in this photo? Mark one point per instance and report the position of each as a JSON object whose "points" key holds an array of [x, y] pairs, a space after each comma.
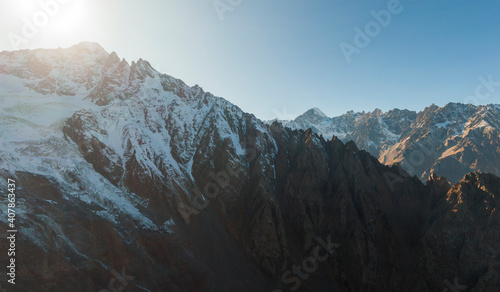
{"points": [[451, 141], [130, 178], [462, 244]]}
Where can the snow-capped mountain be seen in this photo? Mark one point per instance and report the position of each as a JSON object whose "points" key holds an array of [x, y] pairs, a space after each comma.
{"points": [[57, 104], [127, 178], [452, 140], [371, 131], [118, 142]]}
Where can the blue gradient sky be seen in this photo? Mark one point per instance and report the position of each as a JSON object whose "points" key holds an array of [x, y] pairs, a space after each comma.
{"points": [[280, 58]]}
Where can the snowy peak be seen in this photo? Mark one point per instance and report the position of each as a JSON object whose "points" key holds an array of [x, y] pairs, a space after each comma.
{"points": [[315, 112], [377, 112], [85, 70], [314, 115], [72, 71], [142, 69], [91, 47]]}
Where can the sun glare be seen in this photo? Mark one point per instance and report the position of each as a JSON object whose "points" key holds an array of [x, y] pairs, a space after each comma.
{"points": [[41, 22], [71, 18]]}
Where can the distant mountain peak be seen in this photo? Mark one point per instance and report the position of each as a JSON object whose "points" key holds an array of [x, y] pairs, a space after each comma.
{"points": [[317, 111], [377, 112], [90, 46], [314, 112]]}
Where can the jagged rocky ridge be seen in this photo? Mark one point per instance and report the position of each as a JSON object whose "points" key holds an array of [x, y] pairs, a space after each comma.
{"points": [[451, 141], [121, 168]]}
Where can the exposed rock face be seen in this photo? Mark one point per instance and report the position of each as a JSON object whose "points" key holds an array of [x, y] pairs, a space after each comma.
{"points": [[463, 243], [146, 183], [451, 141]]}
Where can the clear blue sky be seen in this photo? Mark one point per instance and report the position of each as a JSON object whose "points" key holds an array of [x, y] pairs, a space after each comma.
{"points": [[278, 57]]}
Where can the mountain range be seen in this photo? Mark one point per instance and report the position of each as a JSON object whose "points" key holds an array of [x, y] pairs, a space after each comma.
{"points": [[451, 141], [128, 179]]}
